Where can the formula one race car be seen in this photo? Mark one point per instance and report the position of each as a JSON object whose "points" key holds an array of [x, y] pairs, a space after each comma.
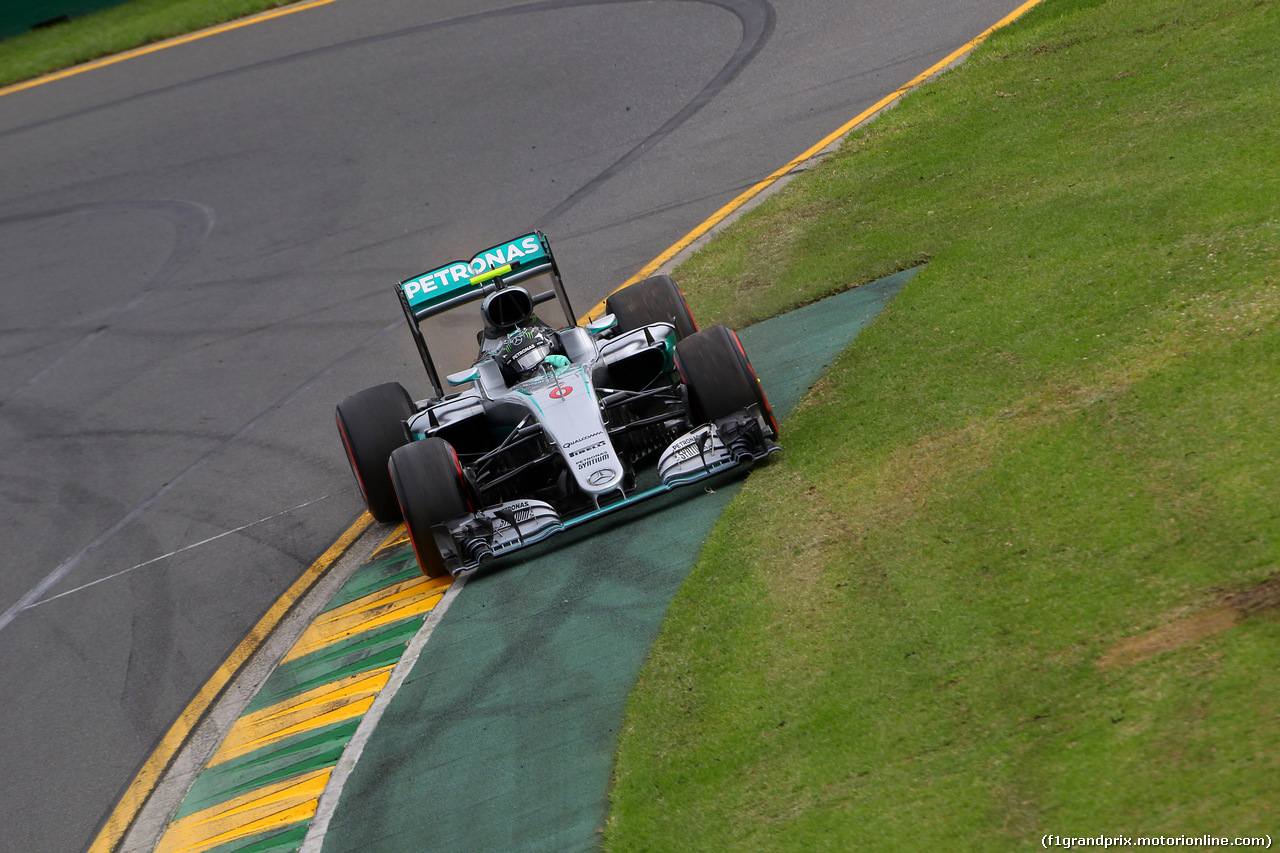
{"points": [[559, 426]]}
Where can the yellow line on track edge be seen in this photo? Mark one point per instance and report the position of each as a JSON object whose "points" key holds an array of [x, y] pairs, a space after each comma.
{"points": [[728, 210], [162, 45]]}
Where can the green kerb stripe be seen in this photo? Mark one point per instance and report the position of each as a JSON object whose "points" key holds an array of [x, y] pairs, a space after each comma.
{"points": [[360, 654], [278, 841], [307, 752], [377, 576]]}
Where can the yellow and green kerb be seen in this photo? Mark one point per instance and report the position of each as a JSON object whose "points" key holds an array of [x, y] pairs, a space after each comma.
{"points": [[259, 792]]}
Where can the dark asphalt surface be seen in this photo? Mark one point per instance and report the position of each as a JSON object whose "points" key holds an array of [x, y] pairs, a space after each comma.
{"points": [[198, 247]]}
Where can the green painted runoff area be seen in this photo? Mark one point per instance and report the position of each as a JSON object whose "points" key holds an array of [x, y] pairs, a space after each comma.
{"points": [[502, 737]]}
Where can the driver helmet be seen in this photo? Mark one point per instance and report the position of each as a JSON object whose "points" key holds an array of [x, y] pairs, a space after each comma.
{"points": [[522, 353]]}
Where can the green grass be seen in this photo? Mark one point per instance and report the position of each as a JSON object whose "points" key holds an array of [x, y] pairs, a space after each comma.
{"points": [[114, 30], [1063, 433]]}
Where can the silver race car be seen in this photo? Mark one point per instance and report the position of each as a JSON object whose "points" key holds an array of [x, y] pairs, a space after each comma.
{"points": [[557, 426]]}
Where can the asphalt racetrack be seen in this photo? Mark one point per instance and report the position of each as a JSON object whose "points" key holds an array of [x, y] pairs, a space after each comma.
{"points": [[198, 249]]}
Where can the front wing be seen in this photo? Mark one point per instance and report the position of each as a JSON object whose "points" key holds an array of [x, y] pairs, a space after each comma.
{"points": [[704, 452]]}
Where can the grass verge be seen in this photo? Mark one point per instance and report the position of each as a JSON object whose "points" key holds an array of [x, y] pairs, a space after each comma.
{"points": [[115, 30], [1014, 573]]}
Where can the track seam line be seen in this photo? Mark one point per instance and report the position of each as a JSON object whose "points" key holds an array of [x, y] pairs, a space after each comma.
{"points": [[177, 551]]}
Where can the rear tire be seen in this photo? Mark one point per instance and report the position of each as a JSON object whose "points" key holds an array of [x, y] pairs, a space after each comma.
{"points": [[719, 376], [654, 300], [431, 490], [371, 424]]}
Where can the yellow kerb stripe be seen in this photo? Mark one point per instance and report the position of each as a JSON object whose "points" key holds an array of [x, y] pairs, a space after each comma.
{"points": [[393, 604], [278, 805], [330, 703]]}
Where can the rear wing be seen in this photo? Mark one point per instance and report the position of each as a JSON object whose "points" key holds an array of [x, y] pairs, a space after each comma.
{"points": [[459, 283]]}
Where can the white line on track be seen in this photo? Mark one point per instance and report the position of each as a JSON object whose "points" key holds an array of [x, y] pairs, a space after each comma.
{"points": [[37, 592], [185, 548]]}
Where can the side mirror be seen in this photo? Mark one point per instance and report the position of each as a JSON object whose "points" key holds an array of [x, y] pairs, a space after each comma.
{"points": [[462, 377], [601, 324]]}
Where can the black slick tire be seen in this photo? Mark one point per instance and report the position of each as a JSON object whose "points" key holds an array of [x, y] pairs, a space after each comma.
{"points": [[719, 376], [371, 424], [431, 489], [657, 299]]}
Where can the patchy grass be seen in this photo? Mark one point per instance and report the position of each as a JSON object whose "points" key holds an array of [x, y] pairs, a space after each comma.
{"points": [[1004, 580]]}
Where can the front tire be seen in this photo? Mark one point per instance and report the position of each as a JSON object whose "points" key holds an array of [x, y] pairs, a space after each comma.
{"points": [[657, 299], [719, 376], [371, 424], [431, 490]]}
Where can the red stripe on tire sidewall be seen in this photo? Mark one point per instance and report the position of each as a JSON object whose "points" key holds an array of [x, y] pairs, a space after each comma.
{"points": [[407, 529], [772, 421], [351, 459], [686, 307], [462, 480]]}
